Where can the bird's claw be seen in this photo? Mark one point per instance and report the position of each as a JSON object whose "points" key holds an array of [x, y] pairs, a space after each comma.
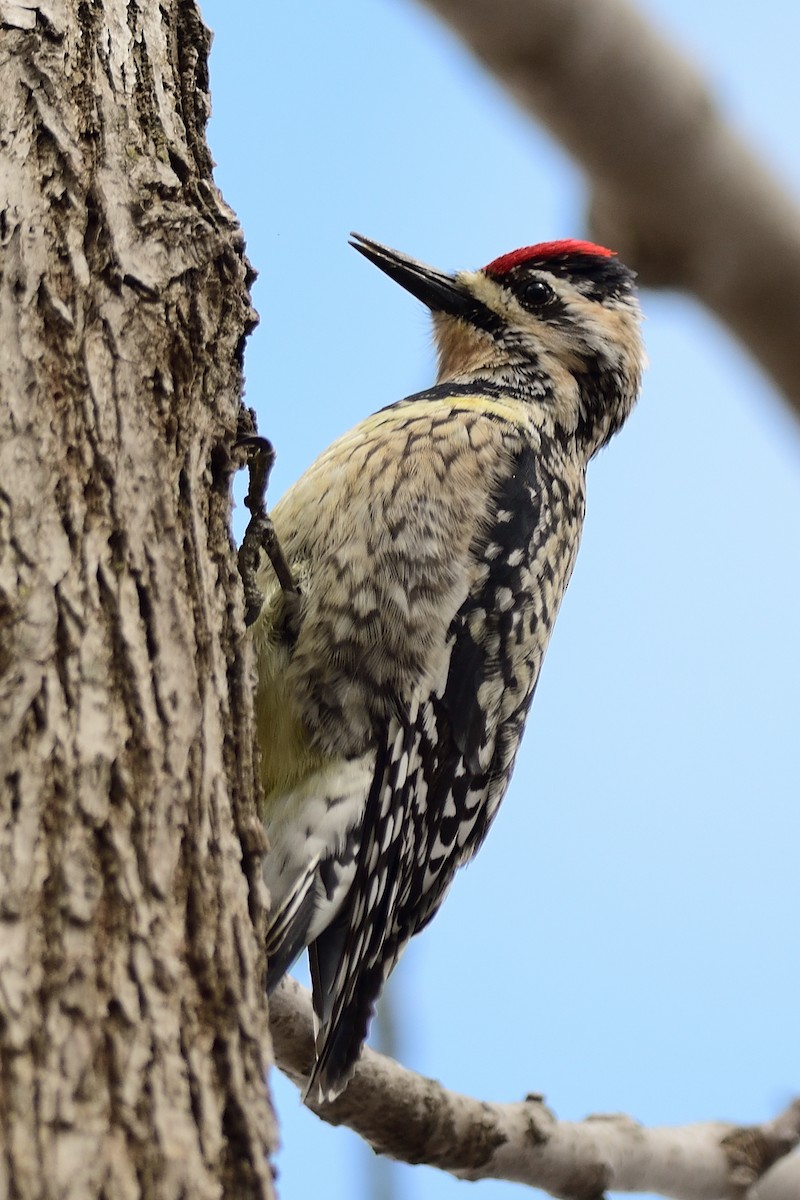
{"points": [[260, 533]]}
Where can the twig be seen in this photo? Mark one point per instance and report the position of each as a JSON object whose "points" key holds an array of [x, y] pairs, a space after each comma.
{"points": [[416, 1120]]}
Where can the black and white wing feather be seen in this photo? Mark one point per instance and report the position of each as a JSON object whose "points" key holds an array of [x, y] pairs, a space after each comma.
{"points": [[441, 769]]}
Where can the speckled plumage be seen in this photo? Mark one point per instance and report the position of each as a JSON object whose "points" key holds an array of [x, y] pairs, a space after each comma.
{"points": [[432, 545]]}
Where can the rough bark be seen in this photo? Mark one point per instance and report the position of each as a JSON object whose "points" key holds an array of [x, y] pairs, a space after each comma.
{"points": [[133, 1030], [673, 188], [416, 1120]]}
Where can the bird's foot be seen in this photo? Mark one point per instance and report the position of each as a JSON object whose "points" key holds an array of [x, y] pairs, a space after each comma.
{"points": [[260, 533]]}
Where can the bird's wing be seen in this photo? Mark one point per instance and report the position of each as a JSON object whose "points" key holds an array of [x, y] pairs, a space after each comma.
{"points": [[442, 766], [286, 934]]}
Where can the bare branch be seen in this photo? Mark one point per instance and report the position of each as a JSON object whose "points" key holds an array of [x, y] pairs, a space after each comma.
{"points": [[416, 1120], [674, 190]]}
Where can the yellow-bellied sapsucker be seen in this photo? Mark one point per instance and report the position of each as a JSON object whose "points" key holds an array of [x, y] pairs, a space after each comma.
{"points": [[430, 547]]}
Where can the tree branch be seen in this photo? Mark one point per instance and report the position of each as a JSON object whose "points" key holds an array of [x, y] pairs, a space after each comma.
{"points": [[674, 189], [416, 1120]]}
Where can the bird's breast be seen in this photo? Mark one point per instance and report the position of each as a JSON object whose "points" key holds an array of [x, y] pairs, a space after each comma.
{"points": [[391, 525]]}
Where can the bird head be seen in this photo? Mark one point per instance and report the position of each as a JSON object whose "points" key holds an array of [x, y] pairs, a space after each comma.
{"points": [[557, 323]]}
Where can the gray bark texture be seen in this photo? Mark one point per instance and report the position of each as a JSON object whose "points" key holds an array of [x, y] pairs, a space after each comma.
{"points": [[133, 1024]]}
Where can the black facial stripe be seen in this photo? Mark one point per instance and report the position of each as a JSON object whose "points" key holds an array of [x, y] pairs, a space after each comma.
{"points": [[605, 277], [554, 312], [482, 317]]}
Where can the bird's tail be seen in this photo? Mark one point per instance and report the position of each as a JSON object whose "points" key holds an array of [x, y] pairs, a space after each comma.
{"points": [[343, 1009]]}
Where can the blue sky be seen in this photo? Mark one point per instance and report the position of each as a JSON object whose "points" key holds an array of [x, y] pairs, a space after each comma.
{"points": [[627, 938]]}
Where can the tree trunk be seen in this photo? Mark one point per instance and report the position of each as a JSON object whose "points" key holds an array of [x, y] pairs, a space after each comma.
{"points": [[133, 1026]]}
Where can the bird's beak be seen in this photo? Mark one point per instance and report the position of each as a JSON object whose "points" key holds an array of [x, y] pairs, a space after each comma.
{"points": [[442, 293]]}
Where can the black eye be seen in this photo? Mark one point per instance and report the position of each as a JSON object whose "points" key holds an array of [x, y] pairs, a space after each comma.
{"points": [[536, 294]]}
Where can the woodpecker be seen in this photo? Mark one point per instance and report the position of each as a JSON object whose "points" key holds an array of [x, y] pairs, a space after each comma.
{"points": [[428, 551]]}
